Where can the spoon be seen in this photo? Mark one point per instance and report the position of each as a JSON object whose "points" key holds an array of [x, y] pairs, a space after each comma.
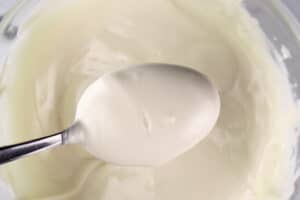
{"points": [[143, 115]]}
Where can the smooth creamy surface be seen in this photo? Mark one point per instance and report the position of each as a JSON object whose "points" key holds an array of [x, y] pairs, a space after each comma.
{"points": [[68, 44], [126, 117]]}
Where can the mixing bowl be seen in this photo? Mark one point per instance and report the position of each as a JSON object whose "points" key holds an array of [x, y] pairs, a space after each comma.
{"points": [[280, 22], [278, 19]]}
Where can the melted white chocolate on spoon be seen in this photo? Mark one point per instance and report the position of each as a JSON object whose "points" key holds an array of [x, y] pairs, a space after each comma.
{"points": [[148, 114], [68, 44]]}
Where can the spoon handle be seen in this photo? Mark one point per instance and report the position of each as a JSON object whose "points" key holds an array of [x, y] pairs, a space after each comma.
{"points": [[13, 152], [71, 135]]}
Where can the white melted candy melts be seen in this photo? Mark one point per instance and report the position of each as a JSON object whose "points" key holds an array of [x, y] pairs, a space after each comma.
{"points": [[67, 45], [147, 115]]}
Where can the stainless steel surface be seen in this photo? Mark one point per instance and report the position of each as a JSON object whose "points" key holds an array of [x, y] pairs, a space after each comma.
{"points": [[16, 151], [13, 152]]}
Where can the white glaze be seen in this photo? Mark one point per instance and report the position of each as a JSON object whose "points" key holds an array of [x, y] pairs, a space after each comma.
{"points": [[148, 114], [248, 155]]}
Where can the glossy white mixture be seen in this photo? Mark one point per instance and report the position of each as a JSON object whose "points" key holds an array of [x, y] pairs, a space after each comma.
{"points": [[146, 115], [68, 44]]}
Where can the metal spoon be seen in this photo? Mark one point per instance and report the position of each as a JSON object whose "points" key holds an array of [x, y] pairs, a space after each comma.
{"points": [[195, 88]]}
